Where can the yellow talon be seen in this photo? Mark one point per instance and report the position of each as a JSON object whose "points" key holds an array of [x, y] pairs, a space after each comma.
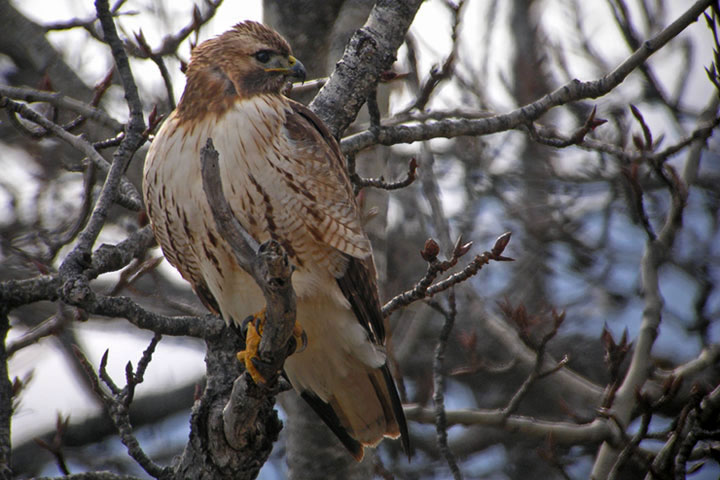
{"points": [[255, 325], [252, 342]]}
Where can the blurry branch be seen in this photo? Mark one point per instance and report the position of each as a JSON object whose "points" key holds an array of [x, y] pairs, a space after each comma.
{"points": [[425, 287], [146, 410], [438, 75], [86, 23], [709, 357], [106, 258], [439, 377], [700, 425], [570, 92], [632, 38], [309, 86], [656, 252], [576, 138], [537, 372], [562, 432], [158, 60], [46, 328], [54, 446], [269, 266], [565, 382], [170, 43], [61, 101], [548, 136], [128, 196], [117, 403]]}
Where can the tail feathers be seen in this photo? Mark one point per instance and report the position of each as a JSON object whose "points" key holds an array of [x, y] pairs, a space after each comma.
{"points": [[363, 411], [397, 410], [328, 415]]}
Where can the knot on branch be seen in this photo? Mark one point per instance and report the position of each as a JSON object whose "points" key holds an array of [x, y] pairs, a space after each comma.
{"points": [[76, 291], [364, 43], [109, 256], [274, 264]]}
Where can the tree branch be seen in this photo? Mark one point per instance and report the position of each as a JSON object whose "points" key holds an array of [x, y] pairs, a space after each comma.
{"points": [[562, 432], [61, 101], [655, 253], [371, 50], [269, 266], [570, 92], [128, 196]]}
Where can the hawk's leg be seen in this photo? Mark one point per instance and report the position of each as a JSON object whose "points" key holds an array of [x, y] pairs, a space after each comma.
{"points": [[254, 325]]}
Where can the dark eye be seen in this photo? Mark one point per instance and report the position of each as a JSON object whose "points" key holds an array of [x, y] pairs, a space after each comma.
{"points": [[263, 56]]}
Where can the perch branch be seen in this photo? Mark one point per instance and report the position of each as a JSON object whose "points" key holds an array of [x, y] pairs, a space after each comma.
{"points": [[269, 266]]}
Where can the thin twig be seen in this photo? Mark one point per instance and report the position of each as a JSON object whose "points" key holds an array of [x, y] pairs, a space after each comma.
{"points": [[439, 384], [128, 195], [61, 101], [424, 287]]}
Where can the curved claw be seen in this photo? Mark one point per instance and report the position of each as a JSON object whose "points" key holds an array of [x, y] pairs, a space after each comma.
{"points": [[252, 329], [250, 354]]}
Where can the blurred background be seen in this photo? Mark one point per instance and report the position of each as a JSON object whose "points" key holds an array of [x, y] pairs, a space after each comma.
{"points": [[577, 235]]}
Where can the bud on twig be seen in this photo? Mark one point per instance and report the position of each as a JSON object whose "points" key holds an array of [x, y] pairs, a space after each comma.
{"points": [[430, 251]]}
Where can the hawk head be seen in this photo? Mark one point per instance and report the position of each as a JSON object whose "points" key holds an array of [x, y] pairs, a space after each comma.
{"points": [[247, 60]]}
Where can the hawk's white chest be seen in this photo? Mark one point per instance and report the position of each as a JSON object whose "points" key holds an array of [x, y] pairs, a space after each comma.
{"points": [[252, 150]]}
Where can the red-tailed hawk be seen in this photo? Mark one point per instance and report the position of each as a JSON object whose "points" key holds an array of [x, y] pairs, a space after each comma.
{"points": [[284, 177]]}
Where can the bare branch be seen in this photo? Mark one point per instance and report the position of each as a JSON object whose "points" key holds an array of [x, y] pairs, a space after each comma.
{"points": [[6, 400], [425, 289], [170, 43], [117, 404], [268, 264], [380, 183], [570, 92], [655, 253], [127, 196], [563, 433], [439, 376], [370, 51], [61, 101]]}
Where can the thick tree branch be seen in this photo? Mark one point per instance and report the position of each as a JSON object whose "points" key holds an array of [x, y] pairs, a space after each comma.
{"points": [[637, 374], [562, 432], [371, 50], [269, 266], [72, 268]]}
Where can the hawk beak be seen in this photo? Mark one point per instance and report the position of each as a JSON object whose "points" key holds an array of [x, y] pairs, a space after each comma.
{"points": [[297, 69]]}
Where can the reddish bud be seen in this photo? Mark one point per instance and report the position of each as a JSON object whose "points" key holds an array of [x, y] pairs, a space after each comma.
{"points": [[430, 251]]}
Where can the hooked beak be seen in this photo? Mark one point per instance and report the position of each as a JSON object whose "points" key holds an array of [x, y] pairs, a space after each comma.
{"points": [[292, 67], [297, 69]]}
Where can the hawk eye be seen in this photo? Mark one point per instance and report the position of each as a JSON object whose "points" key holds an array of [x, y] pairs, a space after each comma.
{"points": [[263, 56]]}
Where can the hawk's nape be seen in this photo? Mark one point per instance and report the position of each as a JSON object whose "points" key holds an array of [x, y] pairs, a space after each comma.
{"points": [[284, 177]]}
